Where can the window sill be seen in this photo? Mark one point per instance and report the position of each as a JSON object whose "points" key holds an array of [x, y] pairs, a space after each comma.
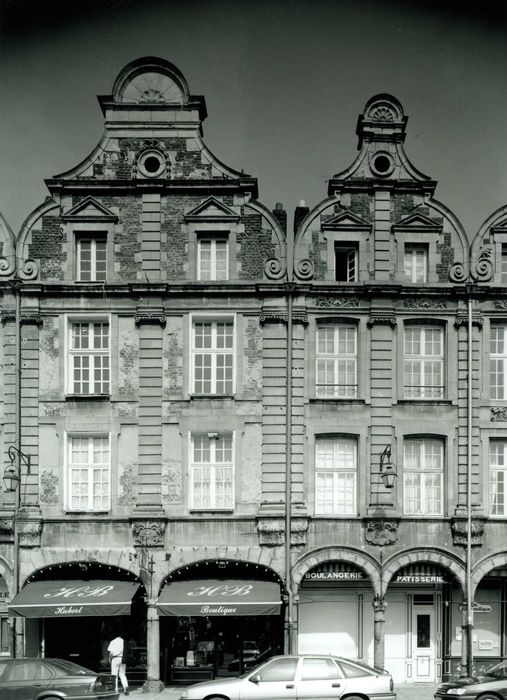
{"points": [[337, 400], [210, 396], [87, 397], [425, 402], [211, 511], [68, 511]]}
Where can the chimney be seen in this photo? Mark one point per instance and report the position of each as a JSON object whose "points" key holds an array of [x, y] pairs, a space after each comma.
{"points": [[280, 215], [300, 213]]}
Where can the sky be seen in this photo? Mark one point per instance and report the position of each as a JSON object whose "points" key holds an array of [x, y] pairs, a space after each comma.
{"points": [[284, 82]]}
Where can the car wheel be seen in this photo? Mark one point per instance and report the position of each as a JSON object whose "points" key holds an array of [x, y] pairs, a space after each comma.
{"points": [[488, 696], [216, 697]]}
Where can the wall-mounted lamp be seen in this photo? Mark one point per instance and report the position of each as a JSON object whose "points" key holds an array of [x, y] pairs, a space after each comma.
{"points": [[388, 471], [12, 473]]}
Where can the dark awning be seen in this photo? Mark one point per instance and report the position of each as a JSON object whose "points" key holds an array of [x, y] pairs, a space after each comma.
{"points": [[215, 598], [73, 598]]}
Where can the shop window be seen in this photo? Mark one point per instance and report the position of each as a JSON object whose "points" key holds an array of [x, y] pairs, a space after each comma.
{"points": [[212, 357], [498, 477], [335, 476], [416, 263], [4, 637], [212, 258], [346, 262], [423, 365], [423, 477], [211, 471], [91, 258], [319, 670], [498, 362], [89, 359], [336, 361], [88, 473], [280, 670]]}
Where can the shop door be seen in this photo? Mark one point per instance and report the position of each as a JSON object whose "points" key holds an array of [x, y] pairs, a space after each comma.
{"points": [[423, 636]]}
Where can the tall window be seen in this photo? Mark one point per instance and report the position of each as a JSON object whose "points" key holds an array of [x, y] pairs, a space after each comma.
{"points": [[346, 262], [498, 362], [89, 357], [423, 477], [335, 476], [336, 361], [91, 258], [416, 263], [88, 465], [498, 477], [212, 258], [211, 471], [503, 266], [213, 357], [424, 362]]}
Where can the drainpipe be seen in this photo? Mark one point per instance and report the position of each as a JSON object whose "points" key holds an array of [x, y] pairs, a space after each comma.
{"points": [[469, 597], [288, 474], [16, 625]]}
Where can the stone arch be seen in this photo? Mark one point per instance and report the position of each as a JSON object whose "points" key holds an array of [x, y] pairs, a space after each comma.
{"points": [[6, 571], [432, 555], [485, 565], [360, 559], [41, 559]]}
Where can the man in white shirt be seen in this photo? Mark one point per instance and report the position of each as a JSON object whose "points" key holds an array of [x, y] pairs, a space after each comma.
{"points": [[118, 665]]}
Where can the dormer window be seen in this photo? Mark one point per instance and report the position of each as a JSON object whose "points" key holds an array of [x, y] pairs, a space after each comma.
{"points": [[416, 263], [212, 257], [346, 262], [91, 258]]}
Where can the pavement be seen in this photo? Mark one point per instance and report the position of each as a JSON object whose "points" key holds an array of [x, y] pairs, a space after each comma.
{"points": [[404, 691]]}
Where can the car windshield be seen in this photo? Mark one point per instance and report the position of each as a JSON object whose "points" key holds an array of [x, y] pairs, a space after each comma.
{"points": [[71, 669], [498, 671]]}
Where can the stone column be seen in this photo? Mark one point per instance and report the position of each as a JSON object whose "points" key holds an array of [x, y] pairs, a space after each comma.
{"points": [[153, 682], [379, 609]]}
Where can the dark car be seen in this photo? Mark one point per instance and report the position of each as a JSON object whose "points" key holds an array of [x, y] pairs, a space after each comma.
{"points": [[27, 679], [490, 686]]}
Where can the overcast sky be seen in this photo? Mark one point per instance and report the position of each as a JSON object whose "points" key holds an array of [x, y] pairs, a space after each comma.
{"points": [[284, 82]]}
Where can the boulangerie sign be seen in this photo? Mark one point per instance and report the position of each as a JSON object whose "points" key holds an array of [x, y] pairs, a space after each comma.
{"points": [[74, 598], [219, 598]]}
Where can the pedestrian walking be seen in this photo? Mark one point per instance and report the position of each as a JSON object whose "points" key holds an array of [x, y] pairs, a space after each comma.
{"points": [[117, 655]]}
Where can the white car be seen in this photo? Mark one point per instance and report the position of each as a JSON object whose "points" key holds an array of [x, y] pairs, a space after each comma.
{"points": [[298, 677]]}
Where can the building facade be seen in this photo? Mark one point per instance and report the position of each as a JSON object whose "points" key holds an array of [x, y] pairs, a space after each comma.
{"points": [[177, 366]]}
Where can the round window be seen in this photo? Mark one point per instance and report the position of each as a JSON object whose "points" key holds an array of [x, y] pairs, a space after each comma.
{"points": [[152, 164], [382, 164]]}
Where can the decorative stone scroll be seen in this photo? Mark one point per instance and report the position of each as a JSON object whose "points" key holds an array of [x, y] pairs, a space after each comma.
{"points": [[498, 414], [9, 315], [462, 320], [337, 302], [382, 318], [459, 531], [149, 533], [380, 531], [424, 303], [478, 270], [501, 304], [150, 318], [272, 531], [274, 269], [304, 269]]}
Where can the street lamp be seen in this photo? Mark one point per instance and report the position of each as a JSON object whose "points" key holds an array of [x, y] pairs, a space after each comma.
{"points": [[12, 484], [388, 471]]}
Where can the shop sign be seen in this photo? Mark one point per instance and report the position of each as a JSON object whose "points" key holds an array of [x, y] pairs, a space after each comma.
{"points": [[334, 576], [419, 578], [476, 607]]}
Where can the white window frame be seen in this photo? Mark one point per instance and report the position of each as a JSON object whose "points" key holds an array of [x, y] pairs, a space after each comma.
{"points": [[92, 237], [213, 467], [336, 361], [336, 477], [71, 353], [351, 250], [423, 507], [410, 262], [90, 467], [214, 352], [498, 477], [213, 239], [498, 362], [425, 362]]}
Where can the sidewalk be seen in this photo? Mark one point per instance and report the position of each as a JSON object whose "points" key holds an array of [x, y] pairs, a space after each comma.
{"points": [[404, 691]]}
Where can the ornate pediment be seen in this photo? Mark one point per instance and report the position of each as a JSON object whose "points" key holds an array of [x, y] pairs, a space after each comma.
{"points": [[212, 209], [346, 220], [417, 222], [89, 209]]}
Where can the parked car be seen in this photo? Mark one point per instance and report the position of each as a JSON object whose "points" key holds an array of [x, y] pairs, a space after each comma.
{"points": [[490, 686], [307, 676], [24, 679]]}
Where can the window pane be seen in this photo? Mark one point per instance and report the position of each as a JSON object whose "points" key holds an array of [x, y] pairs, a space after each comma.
{"points": [[423, 477], [336, 363], [497, 480], [423, 369], [211, 471], [279, 670], [213, 357], [89, 473], [497, 361], [335, 476]]}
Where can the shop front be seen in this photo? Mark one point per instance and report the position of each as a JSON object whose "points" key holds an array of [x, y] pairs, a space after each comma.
{"points": [[74, 610], [212, 624], [335, 612]]}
